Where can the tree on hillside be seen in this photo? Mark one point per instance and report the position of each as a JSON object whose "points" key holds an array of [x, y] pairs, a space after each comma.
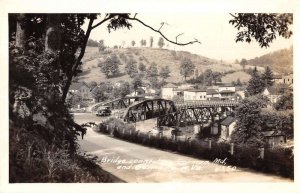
{"points": [[110, 67], [285, 102], [152, 70], [136, 83], [196, 73], [263, 27], [132, 43], [131, 67], [151, 41], [186, 67], [98, 94], [101, 46], [255, 84], [164, 72], [142, 67], [243, 63], [92, 43], [122, 90], [238, 82], [248, 130], [143, 42], [209, 77], [267, 77], [236, 61], [161, 42]]}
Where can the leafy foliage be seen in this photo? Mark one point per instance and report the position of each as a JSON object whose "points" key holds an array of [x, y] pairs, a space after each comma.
{"points": [[131, 67], [279, 61], [262, 27], [101, 46], [256, 84], [161, 42], [132, 43], [285, 102], [151, 41], [243, 63], [249, 126], [164, 72], [92, 43], [122, 90], [267, 77], [186, 67], [110, 67]]}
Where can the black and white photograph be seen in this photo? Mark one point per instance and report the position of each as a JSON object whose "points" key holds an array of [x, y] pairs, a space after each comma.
{"points": [[135, 97]]}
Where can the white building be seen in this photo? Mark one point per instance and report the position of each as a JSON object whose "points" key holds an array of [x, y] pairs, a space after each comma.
{"points": [[227, 126], [168, 91], [287, 79], [194, 95]]}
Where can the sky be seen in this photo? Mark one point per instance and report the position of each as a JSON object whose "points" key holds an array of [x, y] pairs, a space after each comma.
{"points": [[213, 30]]}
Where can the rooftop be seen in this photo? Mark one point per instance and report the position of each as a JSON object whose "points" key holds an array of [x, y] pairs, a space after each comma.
{"points": [[212, 91], [170, 85], [227, 121], [77, 85], [272, 133]]}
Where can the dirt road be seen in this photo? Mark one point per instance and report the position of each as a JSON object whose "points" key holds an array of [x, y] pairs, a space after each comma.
{"points": [[135, 163]]}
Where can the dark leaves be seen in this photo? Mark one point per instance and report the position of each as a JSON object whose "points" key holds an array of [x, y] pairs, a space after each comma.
{"points": [[262, 27]]}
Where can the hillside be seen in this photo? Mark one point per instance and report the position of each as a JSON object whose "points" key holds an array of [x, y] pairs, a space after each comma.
{"points": [[280, 61], [162, 57]]}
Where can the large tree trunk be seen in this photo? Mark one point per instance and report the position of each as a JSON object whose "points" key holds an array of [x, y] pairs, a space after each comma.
{"points": [[20, 31], [53, 37]]}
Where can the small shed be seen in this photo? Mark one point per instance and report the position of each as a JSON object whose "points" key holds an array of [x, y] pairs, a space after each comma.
{"points": [[227, 126], [273, 138]]}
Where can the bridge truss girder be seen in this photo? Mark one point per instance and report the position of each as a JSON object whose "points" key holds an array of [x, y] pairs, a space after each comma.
{"points": [[149, 109], [192, 115]]}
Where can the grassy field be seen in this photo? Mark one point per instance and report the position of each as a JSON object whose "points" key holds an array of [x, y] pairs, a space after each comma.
{"points": [[243, 76], [162, 57]]}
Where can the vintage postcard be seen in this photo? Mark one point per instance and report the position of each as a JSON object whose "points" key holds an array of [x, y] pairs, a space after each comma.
{"points": [[132, 100]]}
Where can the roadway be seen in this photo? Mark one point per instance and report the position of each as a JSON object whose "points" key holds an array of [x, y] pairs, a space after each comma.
{"points": [[135, 163]]}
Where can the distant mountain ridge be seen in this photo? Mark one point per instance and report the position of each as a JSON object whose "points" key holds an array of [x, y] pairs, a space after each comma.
{"points": [[280, 61]]}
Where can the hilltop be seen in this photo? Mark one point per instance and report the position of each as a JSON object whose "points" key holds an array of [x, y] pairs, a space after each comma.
{"points": [[162, 57], [280, 61]]}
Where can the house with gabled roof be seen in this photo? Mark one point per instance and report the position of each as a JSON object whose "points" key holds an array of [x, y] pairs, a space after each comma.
{"points": [[82, 89], [274, 137], [227, 126], [272, 93], [168, 91]]}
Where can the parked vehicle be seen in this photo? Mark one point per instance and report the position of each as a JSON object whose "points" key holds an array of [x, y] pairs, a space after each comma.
{"points": [[103, 111]]}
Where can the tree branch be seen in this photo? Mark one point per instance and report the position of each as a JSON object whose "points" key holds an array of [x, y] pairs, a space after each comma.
{"points": [[104, 20], [78, 61], [180, 35], [158, 31]]}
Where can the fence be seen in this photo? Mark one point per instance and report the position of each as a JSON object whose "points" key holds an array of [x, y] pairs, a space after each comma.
{"points": [[261, 159]]}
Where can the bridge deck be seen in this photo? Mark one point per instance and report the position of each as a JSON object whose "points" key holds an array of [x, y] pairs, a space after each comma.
{"points": [[206, 104]]}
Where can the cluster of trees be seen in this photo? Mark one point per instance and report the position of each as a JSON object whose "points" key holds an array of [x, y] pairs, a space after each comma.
{"points": [[253, 118], [92, 43], [106, 90], [207, 78], [280, 61], [110, 67], [258, 83]]}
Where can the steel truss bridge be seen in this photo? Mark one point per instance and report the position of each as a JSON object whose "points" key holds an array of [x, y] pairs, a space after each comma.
{"points": [[119, 103], [170, 114]]}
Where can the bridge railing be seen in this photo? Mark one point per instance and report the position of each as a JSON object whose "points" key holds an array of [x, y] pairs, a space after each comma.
{"points": [[206, 104]]}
